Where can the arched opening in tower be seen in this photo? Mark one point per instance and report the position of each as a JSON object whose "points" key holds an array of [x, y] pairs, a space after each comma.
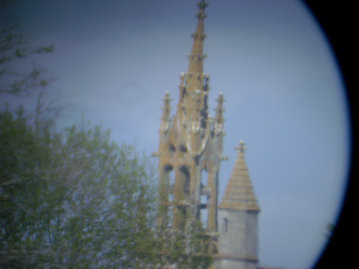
{"points": [[170, 178], [186, 185], [181, 194], [204, 198], [171, 181]]}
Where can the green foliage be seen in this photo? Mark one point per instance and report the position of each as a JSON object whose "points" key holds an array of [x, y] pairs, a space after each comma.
{"points": [[45, 49], [13, 48], [193, 248], [74, 198], [71, 199]]}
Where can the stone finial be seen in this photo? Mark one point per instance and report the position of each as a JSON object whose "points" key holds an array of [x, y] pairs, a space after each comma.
{"points": [[167, 97], [241, 147], [166, 110], [202, 5], [219, 109]]}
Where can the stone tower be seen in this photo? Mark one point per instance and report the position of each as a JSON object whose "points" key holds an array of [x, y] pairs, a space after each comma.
{"points": [[238, 220], [190, 146], [190, 154]]}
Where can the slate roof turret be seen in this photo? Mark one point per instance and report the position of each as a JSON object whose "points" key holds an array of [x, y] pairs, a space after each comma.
{"points": [[239, 194]]}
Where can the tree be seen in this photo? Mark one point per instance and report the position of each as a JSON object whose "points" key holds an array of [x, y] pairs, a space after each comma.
{"points": [[71, 199], [23, 85], [13, 47], [194, 248], [74, 198]]}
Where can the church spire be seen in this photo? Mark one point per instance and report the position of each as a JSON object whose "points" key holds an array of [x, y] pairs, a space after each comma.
{"points": [[195, 67], [239, 194]]}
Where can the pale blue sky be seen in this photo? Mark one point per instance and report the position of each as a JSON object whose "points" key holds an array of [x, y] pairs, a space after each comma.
{"points": [[114, 60]]}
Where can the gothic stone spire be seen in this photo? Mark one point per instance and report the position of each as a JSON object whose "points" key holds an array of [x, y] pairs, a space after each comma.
{"points": [[194, 85], [189, 149], [196, 58]]}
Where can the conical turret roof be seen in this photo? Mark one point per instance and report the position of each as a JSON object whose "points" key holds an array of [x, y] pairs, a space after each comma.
{"points": [[239, 194]]}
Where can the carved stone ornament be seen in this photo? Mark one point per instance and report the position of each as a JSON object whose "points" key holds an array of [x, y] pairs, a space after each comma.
{"points": [[195, 127], [218, 128], [164, 127]]}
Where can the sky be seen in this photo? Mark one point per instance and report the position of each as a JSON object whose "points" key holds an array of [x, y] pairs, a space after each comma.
{"points": [[114, 61]]}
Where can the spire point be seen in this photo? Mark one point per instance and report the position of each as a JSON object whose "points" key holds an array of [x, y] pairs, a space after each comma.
{"points": [[197, 56], [202, 5], [167, 96], [220, 98]]}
